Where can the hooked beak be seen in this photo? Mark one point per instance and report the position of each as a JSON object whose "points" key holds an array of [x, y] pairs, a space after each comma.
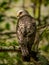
{"points": [[17, 16]]}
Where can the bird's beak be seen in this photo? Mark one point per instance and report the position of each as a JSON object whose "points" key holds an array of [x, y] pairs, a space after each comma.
{"points": [[17, 15]]}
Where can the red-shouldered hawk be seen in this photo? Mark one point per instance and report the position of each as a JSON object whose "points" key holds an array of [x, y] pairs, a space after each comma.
{"points": [[26, 31]]}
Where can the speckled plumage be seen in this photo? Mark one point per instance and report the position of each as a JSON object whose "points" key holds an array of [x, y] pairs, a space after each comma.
{"points": [[26, 31]]}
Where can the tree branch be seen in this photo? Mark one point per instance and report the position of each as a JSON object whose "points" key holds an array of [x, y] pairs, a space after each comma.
{"points": [[35, 62], [41, 27], [10, 50], [8, 38], [7, 33], [17, 50]]}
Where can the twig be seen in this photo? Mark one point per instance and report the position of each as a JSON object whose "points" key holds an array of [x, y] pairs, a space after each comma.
{"points": [[41, 27], [8, 38], [10, 50], [35, 62], [7, 33]]}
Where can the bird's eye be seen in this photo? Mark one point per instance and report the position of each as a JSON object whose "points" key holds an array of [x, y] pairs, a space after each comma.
{"points": [[20, 13]]}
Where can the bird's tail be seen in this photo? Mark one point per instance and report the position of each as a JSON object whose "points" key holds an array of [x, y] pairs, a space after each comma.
{"points": [[25, 54], [32, 54], [26, 58]]}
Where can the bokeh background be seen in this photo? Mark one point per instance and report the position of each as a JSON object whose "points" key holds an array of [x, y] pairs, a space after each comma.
{"points": [[39, 9]]}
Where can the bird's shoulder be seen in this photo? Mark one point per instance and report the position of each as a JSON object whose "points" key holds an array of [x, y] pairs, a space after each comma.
{"points": [[26, 20], [25, 17]]}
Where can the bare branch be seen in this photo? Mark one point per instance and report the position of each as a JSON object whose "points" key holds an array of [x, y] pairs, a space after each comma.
{"points": [[5, 38], [41, 27], [35, 62], [10, 50], [7, 33]]}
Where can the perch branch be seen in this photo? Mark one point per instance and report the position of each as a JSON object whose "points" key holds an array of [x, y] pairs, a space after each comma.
{"points": [[10, 50], [7, 33], [41, 27], [35, 62], [8, 38]]}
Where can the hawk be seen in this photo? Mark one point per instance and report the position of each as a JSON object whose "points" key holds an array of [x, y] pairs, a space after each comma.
{"points": [[26, 31]]}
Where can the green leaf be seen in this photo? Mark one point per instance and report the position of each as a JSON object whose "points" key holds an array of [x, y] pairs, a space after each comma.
{"points": [[1, 18], [14, 22], [15, 43], [16, 0], [6, 8], [13, 17], [45, 48], [46, 2], [2, 44], [7, 26], [36, 1], [18, 58], [3, 4], [4, 55], [43, 60], [2, 29], [45, 34], [32, 0]]}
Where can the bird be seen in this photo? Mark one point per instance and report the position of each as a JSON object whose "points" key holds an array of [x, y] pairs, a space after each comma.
{"points": [[25, 31]]}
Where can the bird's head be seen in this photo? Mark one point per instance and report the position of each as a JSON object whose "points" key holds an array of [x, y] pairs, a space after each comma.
{"points": [[21, 13]]}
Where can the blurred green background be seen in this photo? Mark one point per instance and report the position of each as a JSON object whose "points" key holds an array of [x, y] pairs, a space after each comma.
{"points": [[39, 9]]}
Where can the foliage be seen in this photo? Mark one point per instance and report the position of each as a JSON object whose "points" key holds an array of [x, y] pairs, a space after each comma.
{"points": [[45, 2], [45, 34], [42, 59]]}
